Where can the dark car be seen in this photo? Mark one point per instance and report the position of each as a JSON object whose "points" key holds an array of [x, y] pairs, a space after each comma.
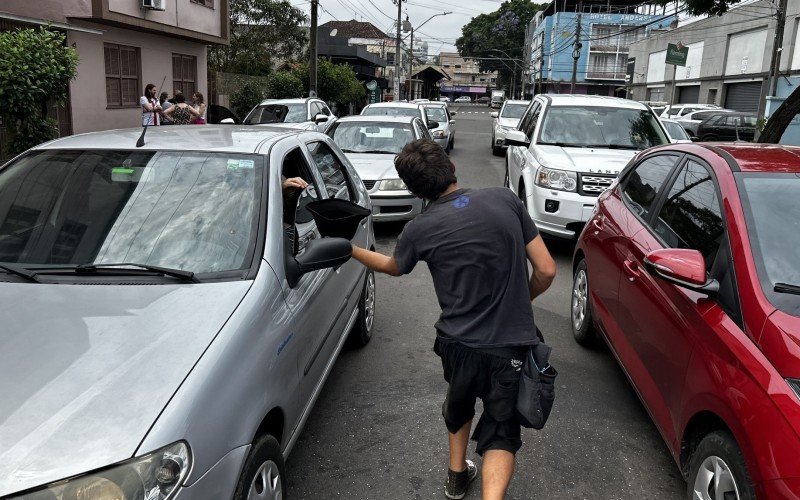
{"points": [[688, 270], [728, 127], [483, 100], [217, 113]]}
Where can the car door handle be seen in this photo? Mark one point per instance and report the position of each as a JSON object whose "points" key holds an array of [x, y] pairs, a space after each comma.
{"points": [[631, 269], [597, 223]]}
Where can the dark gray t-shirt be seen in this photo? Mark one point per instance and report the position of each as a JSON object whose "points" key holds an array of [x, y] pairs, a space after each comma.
{"points": [[473, 241]]}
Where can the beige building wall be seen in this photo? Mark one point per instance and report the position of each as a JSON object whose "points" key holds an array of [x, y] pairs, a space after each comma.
{"points": [[463, 70], [178, 13], [88, 92]]}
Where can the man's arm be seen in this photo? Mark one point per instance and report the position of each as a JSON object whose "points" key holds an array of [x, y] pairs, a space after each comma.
{"points": [[376, 261], [544, 267]]}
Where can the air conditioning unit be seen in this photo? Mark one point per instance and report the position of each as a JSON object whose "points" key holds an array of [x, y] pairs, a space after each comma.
{"points": [[153, 4]]}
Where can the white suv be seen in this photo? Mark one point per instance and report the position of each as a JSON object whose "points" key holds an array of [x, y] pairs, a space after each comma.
{"points": [[568, 149]]}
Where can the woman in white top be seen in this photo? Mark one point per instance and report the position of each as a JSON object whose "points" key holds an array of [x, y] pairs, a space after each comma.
{"points": [[200, 107], [150, 106]]}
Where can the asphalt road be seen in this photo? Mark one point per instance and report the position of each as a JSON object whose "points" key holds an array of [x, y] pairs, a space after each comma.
{"points": [[377, 432]]}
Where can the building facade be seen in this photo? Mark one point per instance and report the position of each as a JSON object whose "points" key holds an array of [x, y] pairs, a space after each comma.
{"points": [[607, 29], [465, 77], [122, 47]]}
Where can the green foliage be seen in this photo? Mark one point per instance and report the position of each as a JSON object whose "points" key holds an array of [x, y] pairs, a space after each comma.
{"points": [[261, 31], [284, 85], [247, 95], [503, 29], [335, 83], [35, 67]]}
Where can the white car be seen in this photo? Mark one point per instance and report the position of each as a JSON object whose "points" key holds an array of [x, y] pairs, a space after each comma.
{"points": [[568, 149], [395, 109], [371, 144], [463, 98], [504, 120], [690, 121], [444, 98], [445, 132], [679, 110], [677, 134], [307, 114]]}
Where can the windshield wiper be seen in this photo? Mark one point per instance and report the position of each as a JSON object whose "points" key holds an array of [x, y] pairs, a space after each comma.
{"points": [[613, 146], [563, 144], [786, 288], [376, 151], [19, 271], [94, 268]]}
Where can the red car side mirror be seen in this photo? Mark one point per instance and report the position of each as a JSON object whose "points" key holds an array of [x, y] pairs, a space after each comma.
{"points": [[682, 267]]}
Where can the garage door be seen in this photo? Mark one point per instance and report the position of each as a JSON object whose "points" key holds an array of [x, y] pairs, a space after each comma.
{"points": [[689, 95], [743, 96]]}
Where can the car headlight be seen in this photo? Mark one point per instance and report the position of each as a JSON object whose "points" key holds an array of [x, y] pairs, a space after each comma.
{"points": [[561, 180], [795, 385], [392, 185], [438, 134], [156, 476]]}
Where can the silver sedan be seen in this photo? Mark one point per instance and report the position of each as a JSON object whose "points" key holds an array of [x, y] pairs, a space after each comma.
{"points": [[445, 131], [171, 312]]}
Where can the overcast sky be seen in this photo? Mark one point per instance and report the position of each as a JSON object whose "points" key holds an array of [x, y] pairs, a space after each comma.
{"points": [[440, 33]]}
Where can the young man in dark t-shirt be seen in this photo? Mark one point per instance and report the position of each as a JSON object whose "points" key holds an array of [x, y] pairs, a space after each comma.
{"points": [[477, 244]]}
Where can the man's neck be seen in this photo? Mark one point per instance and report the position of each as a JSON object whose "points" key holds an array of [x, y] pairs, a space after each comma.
{"points": [[452, 187]]}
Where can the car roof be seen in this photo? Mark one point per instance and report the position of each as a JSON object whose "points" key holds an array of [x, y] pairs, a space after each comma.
{"points": [[298, 100], [517, 101], [775, 158], [393, 105], [217, 138], [377, 118], [592, 100]]}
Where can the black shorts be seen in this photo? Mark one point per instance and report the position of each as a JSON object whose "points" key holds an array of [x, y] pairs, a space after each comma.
{"points": [[492, 375]]}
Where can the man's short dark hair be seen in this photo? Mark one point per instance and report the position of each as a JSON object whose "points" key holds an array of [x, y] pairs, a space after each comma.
{"points": [[425, 168]]}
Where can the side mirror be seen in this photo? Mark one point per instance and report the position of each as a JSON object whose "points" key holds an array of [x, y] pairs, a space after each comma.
{"points": [[452, 122], [695, 138], [494, 114], [228, 120], [432, 125], [516, 138], [683, 267], [320, 118], [318, 254]]}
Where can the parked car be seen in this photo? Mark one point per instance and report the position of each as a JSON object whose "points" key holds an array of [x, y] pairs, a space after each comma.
{"points": [[568, 149], [308, 114], [689, 274], [396, 109], [371, 143], [445, 132], [690, 121], [728, 127], [444, 98], [170, 316], [220, 114], [679, 110], [483, 100], [675, 131], [463, 98], [504, 120]]}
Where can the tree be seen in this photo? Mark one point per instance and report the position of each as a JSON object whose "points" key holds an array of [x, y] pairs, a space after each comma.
{"points": [[504, 30], [35, 69], [284, 85], [336, 83], [261, 31], [247, 95]]}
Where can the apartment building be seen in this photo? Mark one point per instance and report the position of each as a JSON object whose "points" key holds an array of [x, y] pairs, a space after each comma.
{"points": [[465, 76]]}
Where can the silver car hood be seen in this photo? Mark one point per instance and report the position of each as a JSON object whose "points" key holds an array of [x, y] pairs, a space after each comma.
{"points": [[586, 160], [373, 167], [85, 370]]}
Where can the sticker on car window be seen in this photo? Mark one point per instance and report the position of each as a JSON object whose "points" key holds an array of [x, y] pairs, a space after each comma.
{"points": [[233, 164], [247, 163]]}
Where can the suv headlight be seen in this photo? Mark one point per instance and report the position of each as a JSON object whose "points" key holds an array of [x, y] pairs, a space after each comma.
{"points": [[552, 178], [392, 185], [156, 476], [438, 134]]}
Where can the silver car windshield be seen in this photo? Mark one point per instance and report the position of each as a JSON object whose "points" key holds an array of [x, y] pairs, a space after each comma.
{"points": [[513, 110], [601, 127], [389, 111], [372, 137], [277, 113], [185, 210], [436, 114]]}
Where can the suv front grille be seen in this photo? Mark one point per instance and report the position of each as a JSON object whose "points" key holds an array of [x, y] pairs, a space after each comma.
{"points": [[369, 185], [594, 184]]}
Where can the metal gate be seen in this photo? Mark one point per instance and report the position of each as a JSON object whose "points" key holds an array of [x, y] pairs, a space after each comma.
{"points": [[689, 95], [743, 96]]}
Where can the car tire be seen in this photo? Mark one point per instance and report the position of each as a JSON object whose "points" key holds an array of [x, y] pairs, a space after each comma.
{"points": [[523, 195], [507, 180], [709, 137], [362, 330], [580, 310], [718, 462], [496, 150], [264, 472], [453, 142]]}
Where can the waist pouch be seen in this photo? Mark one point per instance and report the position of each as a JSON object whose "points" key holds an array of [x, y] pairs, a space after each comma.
{"points": [[536, 388]]}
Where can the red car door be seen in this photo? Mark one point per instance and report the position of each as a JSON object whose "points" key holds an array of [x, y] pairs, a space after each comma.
{"points": [[661, 321]]}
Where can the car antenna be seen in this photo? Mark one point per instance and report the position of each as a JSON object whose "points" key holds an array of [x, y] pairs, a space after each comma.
{"points": [[140, 141]]}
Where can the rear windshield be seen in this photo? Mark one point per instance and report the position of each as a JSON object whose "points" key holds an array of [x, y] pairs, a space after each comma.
{"points": [[436, 114], [277, 113], [187, 210], [513, 110], [371, 137], [601, 127], [389, 111]]}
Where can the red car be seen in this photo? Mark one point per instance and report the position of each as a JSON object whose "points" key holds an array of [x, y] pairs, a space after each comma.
{"points": [[689, 269]]}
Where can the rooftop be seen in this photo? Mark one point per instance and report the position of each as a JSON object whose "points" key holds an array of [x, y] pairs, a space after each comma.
{"points": [[355, 29]]}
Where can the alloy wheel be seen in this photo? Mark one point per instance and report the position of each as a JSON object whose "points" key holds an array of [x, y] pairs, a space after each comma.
{"points": [[715, 481], [267, 483], [369, 302], [579, 299]]}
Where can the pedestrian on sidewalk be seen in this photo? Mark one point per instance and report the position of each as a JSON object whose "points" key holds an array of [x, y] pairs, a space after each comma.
{"points": [[200, 107], [181, 113], [477, 244], [165, 105], [150, 107]]}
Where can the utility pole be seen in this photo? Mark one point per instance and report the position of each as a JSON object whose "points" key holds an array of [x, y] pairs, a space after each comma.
{"points": [[312, 64], [411, 68], [777, 47], [576, 52], [397, 52]]}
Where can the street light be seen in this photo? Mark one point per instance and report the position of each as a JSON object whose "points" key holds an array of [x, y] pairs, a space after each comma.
{"points": [[513, 71], [411, 59]]}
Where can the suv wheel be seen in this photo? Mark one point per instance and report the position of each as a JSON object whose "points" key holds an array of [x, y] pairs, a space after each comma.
{"points": [[717, 470], [264, 473], [581, 312], [362, 330]]}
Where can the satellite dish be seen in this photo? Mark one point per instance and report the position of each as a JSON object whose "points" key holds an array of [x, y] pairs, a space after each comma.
{"points": [[334, 31]]}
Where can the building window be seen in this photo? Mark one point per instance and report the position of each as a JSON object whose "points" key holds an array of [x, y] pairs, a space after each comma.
{"points": [[458, 66], [184, 74], [390, 58], [446, 66], [712, 96], [122, 76], [206, 3]]}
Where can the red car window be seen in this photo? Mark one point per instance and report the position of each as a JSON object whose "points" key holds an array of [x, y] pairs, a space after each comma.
{"points": [[644, 182]]}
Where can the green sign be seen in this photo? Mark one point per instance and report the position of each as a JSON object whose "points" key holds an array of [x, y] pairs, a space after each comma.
{"points": [[676, 54], [372, 85]]}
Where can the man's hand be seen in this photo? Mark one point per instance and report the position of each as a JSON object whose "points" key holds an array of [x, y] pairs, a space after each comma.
{"points": [[294, 183], [544, 267], [376, 261]]}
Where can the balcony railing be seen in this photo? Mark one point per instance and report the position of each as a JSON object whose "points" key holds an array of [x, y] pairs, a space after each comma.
{"points": [[602, 74], [622, 49]]}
